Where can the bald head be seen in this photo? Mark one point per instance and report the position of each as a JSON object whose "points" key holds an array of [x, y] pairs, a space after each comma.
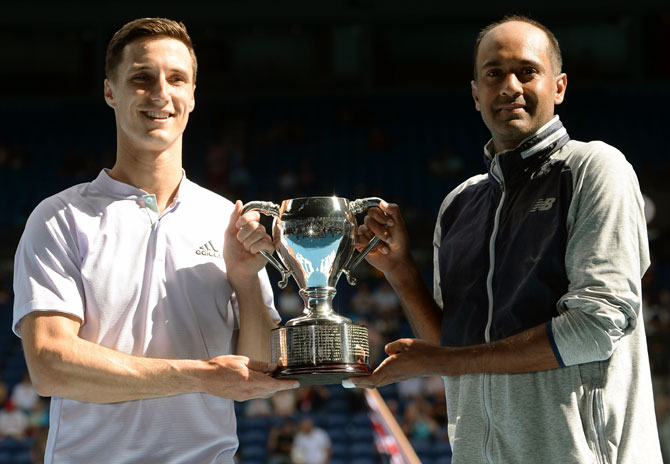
{"points": [[518, 25]]}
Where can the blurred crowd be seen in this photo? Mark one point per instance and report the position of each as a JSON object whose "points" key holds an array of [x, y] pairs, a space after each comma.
{"points": [[412, 162], [24, 422]]}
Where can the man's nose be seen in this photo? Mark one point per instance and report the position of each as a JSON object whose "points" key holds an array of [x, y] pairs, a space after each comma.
{"points": [[511, 86], [159, 91]]}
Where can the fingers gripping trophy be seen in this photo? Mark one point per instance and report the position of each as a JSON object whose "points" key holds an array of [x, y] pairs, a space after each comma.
{"points": [[314, 238]]}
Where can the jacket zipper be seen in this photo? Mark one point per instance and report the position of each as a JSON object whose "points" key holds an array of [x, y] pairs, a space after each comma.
{"points": [[498, 176]]}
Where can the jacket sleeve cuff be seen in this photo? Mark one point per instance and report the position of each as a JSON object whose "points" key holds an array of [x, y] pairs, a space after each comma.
{"points": [[552, 342]]}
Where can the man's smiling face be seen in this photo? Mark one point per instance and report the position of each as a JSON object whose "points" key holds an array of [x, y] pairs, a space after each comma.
{"points": [[152, 93], [515, 88]]}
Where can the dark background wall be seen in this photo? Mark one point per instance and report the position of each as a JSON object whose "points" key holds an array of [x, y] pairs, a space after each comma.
{"points": [[348, 97], [353, 46]]}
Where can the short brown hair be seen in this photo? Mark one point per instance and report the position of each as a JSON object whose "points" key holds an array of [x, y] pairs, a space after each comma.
{"points": [[554, 48], [146, 27]]}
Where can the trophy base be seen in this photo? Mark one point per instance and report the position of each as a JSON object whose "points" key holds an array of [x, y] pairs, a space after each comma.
{"points": [[326, 374], [320, 354]]}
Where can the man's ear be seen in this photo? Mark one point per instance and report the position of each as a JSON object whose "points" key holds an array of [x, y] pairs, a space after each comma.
{"points": [[561, 85], [191, 104], [109, 94], [475, 95]]}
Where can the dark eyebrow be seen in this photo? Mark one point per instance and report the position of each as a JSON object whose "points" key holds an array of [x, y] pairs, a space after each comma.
{"points": [[134, 68], [498, 63], [146, 67], [491, 64]]}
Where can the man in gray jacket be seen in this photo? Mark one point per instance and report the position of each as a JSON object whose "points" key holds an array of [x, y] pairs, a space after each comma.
{"points": [[537, 280]]}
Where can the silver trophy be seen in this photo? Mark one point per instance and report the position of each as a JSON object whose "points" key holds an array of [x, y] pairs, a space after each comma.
{"points": [[314, 238]]}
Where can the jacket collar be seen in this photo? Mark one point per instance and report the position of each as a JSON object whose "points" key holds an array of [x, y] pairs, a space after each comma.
{"points": [[519, 163]]}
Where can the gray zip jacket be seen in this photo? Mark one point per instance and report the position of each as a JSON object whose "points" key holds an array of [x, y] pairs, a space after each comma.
{"points": [[553, 234]]}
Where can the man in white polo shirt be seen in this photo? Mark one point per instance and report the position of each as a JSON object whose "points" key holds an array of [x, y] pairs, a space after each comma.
{"points": [[141, 299]]}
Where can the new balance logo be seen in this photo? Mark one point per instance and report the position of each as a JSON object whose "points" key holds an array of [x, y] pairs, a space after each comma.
{"points": [[543, 204], [208, 249]]}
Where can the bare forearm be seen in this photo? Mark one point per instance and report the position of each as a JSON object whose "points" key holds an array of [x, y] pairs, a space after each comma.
{"points": [[255, 321], [74, 368], [65, 365], [528, 351], [420, 308]]}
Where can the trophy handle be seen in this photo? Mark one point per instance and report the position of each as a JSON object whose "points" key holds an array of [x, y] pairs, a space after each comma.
{"points": [[269, 209], [358, 206]]}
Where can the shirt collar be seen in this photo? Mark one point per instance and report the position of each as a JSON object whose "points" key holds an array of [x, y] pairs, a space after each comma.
{"points": [[122, 191]]}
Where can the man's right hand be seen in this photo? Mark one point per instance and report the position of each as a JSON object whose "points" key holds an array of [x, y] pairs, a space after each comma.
{"points": [[392, 253], [241, 378], [393, 257]]}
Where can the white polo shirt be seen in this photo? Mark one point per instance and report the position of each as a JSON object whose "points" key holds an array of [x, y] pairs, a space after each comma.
{"points": [[145, 284]]}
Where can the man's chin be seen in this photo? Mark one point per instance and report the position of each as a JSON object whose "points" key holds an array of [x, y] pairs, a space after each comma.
{"points": [[156, 143], [511, 134], [515, 128]]}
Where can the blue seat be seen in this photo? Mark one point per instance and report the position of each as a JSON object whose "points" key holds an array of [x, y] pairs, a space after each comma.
{"points": [[442, 452], [251, 436], [442, 459], [364, 460], [361, 419], [335, 420], [9, 445], [422, 447], [252, 451], [253, 423], [339, 435], [22, 457], [337, 404], [362, 449], [254, 461], [338, 460], [362, 434]]}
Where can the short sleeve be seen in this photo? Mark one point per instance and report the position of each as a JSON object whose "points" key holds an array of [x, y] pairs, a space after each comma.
{"points": [[47, 267]]}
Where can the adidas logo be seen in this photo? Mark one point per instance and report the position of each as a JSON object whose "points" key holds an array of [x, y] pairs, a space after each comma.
{"points": [[543, 204], [208, 249]]}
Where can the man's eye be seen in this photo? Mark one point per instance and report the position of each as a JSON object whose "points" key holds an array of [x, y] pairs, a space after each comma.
{"points": [[494, 73]]}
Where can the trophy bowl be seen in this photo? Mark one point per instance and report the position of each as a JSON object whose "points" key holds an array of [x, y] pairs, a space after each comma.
{"points": [[314, 238]]}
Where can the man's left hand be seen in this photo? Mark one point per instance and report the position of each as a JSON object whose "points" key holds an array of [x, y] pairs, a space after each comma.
{"points": [[245, 239], [408, 358]]}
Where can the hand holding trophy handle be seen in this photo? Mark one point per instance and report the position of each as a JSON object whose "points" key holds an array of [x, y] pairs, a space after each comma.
{"points": [[269, 209], [358, 206]]}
